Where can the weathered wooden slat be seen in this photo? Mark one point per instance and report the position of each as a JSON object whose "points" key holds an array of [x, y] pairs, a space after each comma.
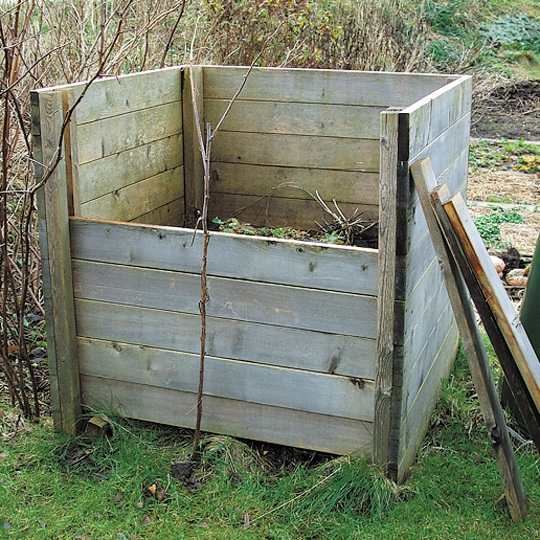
{"points": [[170, 214], [139, 198], [246, 420], [297, 213], [56, 264], [228, 338], [125, 94], [473, 345], [423, 353], [432, 115], [302, 264], [120, 133], [329, 153], [106, 175], [349, 121], [321, 86], [193, 160], [390, 234], [415, 425], [294, 307], [255, 383], [494, 293], [291, 183]]}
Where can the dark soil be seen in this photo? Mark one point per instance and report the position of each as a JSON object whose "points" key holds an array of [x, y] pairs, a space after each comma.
{"points": [[510, 111]]}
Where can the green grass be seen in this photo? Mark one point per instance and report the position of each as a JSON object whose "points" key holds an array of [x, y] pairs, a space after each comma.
{"points": [[504, 156], [56, 487]]}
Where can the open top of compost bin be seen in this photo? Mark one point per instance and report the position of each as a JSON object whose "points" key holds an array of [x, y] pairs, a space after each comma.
{"points": [[334, 348]]}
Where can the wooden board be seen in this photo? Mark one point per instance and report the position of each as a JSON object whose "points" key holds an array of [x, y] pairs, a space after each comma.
{"points": [[391, 229], [280, 305], [138, 198], [342, 121], [329, 153], [56, 264], [249, 382], [474, 348], [321, 86], [246, 420], [228, 338], [110, 136], [193, 160], [302, 264], [103, 176], [495, 294], [354, 187], [115, 96], [170, 214]]}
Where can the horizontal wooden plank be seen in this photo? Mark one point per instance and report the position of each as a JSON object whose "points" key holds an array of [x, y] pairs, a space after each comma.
{"points": [[321, 86], [170, 214], [124, 94], [424, 342], [434, 114], [414, 426], [106, 175], [136, 199], [246, 420], [113, 135], [329, 153], [243, 381], [424, 381], [228, 338], [280, 305], [292, 183], [303, 264], [348, 121], [297, 213]]}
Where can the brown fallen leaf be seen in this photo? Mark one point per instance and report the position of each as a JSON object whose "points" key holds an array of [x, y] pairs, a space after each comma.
{"points": [[147, 520], [139, 505], [41, 523], [118, 497], [152, 489]]}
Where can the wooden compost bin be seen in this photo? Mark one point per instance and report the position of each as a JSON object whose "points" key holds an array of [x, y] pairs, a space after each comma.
{"points": [[333, 348]]}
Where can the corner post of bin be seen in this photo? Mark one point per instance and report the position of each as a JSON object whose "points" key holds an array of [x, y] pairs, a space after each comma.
{"points": [[193, 162], [53, 217], [392, 239]]}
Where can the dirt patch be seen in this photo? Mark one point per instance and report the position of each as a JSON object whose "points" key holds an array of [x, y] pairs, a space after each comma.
{"points": [[511, 110], [503, 187]]}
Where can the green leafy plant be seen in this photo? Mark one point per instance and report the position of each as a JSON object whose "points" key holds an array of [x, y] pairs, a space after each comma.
{"points": [[488, 225], [515, 32]]}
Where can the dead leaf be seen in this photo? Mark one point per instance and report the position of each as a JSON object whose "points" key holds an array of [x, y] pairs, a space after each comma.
{"points": [[247, 522], [152, 489], [6, 525], [1, 413], [139, 505], [41, 523], [161, 495], [3, 455], [147, 520], [118, 497]]}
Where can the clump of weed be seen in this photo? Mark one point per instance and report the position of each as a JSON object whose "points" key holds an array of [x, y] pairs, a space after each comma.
{"points": [[488, 225]]}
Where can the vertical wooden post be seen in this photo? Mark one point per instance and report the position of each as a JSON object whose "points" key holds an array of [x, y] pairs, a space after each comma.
{"points": [[47, 111], [193, 161], [392, 234]]}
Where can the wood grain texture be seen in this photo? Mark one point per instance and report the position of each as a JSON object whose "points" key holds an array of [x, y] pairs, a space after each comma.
{"points": [[110, 136], [56, 263], [472, 341], [193, 161], [279, 305], [302, 264], [385, 387], [328, 153], [170, 214], [495, 294], [246, 420], [116, 96], [138, 198], [109, 174], [342, 121], [321, 86], [254, 383], [354, 187], [228, 338]]}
